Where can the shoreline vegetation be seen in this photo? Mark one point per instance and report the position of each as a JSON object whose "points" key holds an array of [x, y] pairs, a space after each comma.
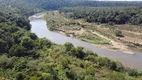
{"points": [[102, 35], [89, 32], [122, 24]]}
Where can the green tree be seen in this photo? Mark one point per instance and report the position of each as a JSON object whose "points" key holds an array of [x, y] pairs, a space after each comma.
{"points": [[47, 76], [19, 76], [135, 72], [68, 46], [89, 77], [3, 46], [78, 52], [44, 42], [27, 43], [17, 50], [33, 36]]}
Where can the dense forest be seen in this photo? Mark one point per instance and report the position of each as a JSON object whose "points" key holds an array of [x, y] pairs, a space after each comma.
{"points": [[33, 6], [23, 56], [56, 4], [117, 15], [18, 7], [26, 57]]}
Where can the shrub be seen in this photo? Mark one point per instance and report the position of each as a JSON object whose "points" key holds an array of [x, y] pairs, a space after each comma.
{"points": [[68, 46], [19, 76], [118, 33], [135, 72], [44, 42], [7, 63], [17, 50], [116, 76], [33, 36], [89, 77], [27, 43], [3, 46], [47, 76], [77, 52]]}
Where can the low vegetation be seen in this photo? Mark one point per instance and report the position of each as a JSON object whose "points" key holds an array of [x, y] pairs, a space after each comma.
{"points": [[119, 33]]}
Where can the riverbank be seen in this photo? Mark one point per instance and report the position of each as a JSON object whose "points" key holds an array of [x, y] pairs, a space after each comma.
{"points": [[39, 27], [101, 35]]}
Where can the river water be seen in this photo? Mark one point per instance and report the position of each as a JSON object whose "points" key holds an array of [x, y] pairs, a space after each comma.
{"points": [[39, 27]]}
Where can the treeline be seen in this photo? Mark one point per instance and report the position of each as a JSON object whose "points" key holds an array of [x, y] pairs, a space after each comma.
{"points": [[117, 15], [29, 7], [57, 4], [18, 7]]}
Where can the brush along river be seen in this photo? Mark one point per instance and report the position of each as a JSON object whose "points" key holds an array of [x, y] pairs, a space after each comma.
{"points": [[39, 27]]}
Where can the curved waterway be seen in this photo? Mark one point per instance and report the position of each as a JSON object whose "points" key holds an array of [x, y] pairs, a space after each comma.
{"points": [[39, 27]]}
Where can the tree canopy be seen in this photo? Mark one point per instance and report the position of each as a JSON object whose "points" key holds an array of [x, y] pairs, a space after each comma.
{"points": [[117, 15], [24, 56]]}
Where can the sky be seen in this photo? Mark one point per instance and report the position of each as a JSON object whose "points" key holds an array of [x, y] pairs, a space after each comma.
{"points": [[120, 0]]}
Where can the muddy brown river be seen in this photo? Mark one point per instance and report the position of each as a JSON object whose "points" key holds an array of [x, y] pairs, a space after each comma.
{"points": [[39, 27]]}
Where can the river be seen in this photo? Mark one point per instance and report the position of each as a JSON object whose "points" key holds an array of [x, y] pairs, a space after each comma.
{"points": [[39, 27]]}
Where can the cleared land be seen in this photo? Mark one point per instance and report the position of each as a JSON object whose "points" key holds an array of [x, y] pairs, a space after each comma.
{"points": [[112, 37]]}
